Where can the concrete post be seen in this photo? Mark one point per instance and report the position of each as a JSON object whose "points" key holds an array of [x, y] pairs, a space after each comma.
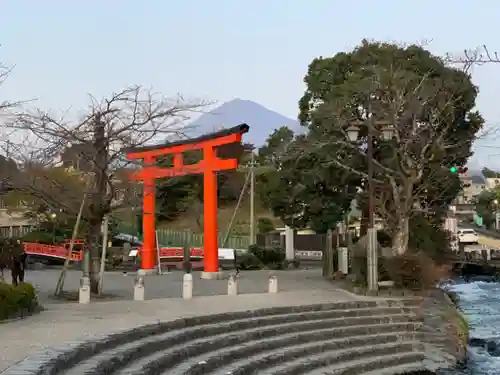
{"points": [[289, 245], [187, 286], [273, 284], [343, 259], [232, 286], [139, 288], [84, 291], [328, 266]]}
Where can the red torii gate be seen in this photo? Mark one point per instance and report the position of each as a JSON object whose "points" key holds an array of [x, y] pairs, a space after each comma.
{"points": [[208, 166]]}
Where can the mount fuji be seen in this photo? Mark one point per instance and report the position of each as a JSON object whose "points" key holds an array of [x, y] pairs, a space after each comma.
{"points": [[262, 121]]}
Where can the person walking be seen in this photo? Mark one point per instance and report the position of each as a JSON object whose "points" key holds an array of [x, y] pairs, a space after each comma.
{"points": [[4, 258], [18, 261]]}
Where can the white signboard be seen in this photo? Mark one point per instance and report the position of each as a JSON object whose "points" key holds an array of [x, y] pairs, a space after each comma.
{"points": [[309, 254], [133, 253], [226, 254]]}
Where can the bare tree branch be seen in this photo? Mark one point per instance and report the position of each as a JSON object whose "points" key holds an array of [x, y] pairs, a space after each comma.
{"points": [[470, 57], [93, 146]]}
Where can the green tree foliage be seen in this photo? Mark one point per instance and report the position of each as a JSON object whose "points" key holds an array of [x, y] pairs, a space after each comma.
{"points": [[302, 192], [265, 225], [485, 206], [488, 173], [429, 108], [428, 236]]}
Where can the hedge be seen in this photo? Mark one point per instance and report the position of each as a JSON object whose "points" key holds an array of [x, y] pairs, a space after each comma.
{"points": [[17, 301], [270, 257]]}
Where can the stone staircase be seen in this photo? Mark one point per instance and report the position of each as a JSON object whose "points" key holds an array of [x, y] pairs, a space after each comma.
{"points": [[376, 337]]}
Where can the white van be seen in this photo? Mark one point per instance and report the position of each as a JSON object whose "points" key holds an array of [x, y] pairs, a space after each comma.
{"points": [[467, 236]]}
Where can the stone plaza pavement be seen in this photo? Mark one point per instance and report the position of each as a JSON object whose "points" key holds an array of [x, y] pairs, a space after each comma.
{"points": [[170, 285], [69, 322]]}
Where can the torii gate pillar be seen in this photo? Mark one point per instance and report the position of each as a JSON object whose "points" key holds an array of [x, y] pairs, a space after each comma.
{"points": [[208, 166]]}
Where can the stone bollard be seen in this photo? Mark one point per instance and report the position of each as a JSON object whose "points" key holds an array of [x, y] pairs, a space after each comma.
{"points": [[232, 286], [187, 286], [84, 291], [139, 288], [273, 284], [343, 259]]}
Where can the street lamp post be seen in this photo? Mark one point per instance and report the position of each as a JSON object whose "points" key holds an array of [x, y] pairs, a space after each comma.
{"points": [[53, 216], [497, 214], [371, 251]]}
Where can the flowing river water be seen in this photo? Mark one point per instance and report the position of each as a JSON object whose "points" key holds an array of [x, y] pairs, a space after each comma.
{"points": [[480, 303]]}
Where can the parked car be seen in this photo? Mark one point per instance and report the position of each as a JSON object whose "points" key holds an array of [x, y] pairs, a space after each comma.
{"points": [[467, 236]]}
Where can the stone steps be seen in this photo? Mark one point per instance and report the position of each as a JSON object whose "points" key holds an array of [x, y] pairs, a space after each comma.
{"points": [[205, 361], [192, 342], [337, 361], [293, 340], [373, 365], [403, 368], [286, 356], [227, 334]]}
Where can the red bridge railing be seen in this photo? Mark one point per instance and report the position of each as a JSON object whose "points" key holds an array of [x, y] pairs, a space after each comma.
{"points": [[58, 251], [53, 251]]}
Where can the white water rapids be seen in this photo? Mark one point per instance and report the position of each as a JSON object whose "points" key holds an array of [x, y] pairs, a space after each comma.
{"points": [[480, 303]]}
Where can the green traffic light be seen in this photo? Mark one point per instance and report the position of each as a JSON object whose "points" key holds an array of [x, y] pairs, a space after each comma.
{"points": [[453, 169]]}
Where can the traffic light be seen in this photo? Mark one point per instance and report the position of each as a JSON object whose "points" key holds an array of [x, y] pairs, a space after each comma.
{"points": [[460, 170]]}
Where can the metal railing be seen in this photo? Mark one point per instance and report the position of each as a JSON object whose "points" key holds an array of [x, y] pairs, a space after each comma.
{"points": [[180, 238], [167, 237]]}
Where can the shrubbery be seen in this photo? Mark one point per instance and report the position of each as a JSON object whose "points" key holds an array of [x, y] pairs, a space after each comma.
{"points": [[421, 267], [271, 257], [412, 270], [17, 301], [248, 261], [430, 238], [360, 270], [415, 271]]}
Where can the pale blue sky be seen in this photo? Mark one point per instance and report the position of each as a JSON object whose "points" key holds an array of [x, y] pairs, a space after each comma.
{"points": [[222, 49]]}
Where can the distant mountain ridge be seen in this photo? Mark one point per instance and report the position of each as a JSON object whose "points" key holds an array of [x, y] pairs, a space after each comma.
{"points": [[262, 121]]}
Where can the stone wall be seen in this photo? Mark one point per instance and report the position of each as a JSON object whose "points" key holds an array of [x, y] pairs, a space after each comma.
{"points": [[444, 331]]}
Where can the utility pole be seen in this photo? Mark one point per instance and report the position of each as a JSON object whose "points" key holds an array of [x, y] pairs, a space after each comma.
{"points": [[252, 199], [372, 244], [105, 231], [253, 168], [372, 253]]}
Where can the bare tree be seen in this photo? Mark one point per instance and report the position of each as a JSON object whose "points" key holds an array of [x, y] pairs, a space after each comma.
{"points": [[471, 57], [6, 111], [130, 118], [6, 104]]}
